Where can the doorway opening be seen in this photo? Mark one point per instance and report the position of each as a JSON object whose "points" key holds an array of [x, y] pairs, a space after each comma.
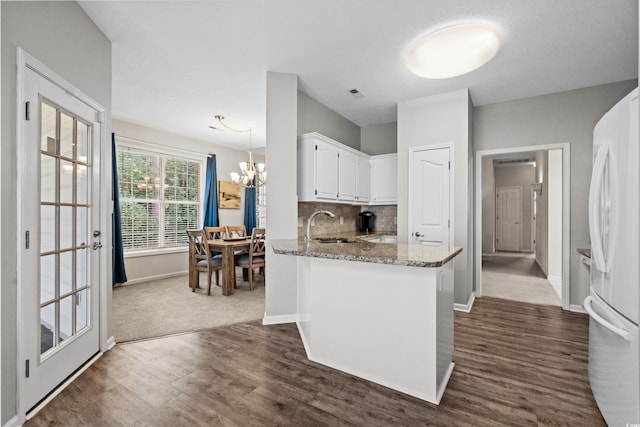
{"points": [[522, 224]]}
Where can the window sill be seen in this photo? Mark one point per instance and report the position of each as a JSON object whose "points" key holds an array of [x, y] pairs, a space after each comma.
{"points": [[153, 252]]}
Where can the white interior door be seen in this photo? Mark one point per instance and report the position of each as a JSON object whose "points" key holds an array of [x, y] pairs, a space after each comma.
{"points": [[430, 199], [508, 218], [59, 191]]}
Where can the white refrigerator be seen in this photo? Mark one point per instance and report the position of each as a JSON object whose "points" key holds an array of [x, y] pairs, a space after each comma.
{"points": [[614, 217]]}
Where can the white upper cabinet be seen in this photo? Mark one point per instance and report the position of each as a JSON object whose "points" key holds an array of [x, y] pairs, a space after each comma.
{"points": [[317, 169], [363, 179], [384, 179], [326, 167], [328, 170], [346, 176]]}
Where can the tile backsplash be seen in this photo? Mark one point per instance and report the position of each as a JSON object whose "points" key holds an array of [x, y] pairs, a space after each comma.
{"points": [[324, 225]]}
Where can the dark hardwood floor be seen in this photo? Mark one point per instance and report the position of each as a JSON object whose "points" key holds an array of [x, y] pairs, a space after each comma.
{"points": [[517, 364]]}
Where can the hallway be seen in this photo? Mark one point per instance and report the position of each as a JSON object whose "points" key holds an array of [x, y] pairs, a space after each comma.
{"points": [[516, 276]]}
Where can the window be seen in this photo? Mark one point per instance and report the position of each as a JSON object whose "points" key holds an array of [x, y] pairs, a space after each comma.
{"points": [[159, 199], [261, 206]]}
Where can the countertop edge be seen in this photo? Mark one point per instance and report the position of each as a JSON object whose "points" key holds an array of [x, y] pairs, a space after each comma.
{"points": [[374, 260]]}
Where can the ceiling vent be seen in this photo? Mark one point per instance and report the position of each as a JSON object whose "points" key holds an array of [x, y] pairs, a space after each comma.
{"points": [[356, 93]]}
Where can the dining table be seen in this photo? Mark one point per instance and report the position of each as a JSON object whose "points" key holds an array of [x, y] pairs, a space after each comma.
{"points": [[227, 246]]}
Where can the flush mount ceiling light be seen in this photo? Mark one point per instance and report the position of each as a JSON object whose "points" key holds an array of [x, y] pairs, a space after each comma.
{"points": [[453, 51]]}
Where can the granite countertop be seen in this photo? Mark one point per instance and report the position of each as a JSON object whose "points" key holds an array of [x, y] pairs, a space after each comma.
{"points": [[363, 251], [585, 252]]}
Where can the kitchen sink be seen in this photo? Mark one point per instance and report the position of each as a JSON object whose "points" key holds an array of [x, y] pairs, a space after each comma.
{"points": [[335, 240], [380, 239]]}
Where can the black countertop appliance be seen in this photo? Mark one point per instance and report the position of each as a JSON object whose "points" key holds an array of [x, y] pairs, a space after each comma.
{"points": [[367, 221]]}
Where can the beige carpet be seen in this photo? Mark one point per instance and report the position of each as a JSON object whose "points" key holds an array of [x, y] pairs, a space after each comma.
{"points": [[516, 278], [165, 307]]}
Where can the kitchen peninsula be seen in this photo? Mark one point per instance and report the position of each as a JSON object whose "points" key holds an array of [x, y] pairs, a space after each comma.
{"points": [[380, 311]]}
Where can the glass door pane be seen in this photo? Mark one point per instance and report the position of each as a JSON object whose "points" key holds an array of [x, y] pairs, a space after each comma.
{"points": [[64, 228]]}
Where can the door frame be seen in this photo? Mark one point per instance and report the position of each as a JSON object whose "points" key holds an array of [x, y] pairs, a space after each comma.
{"points": [[534, 219], [566, 212], [24, 62], [412, 151]]}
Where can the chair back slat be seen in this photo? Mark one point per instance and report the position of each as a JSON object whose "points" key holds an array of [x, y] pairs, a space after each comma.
{"points": [[215, 232], [257, 242], [235, 231], [198, 243]]}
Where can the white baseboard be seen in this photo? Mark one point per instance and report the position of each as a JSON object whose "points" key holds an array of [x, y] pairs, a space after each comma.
{"points": [[443, 385], [541, 268], [466, 308], [111, 342], [279, 320], [157, 277], [577, 308], [556, 284], [13, 422], [307, 350]]}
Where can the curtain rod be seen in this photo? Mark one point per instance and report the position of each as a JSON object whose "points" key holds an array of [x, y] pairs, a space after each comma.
{"points": [[136, 140]]}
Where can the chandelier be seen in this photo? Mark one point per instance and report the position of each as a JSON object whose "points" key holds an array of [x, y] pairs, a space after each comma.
{"points": [[251, 175]]}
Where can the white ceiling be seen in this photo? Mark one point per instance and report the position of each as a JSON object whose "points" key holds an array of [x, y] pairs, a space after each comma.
{"points": [[178, 63]]}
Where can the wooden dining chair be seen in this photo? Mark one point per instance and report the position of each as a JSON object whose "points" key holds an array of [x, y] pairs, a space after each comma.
{"points": [[215, 233], [235, 231], [256, 256], [201, 259]]}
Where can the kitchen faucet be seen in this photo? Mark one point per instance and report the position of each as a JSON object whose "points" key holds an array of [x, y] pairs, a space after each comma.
{"points": [[307, 237]]}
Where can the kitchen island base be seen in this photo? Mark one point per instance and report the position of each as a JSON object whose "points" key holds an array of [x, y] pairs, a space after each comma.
{"points": [[389, 324]]}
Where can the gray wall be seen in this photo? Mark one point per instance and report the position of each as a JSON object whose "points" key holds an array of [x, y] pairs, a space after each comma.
{"points": [[140, 268], [282, 205], [379, 139], [519, 176], [61, 36], [548, 119], [438, 119], [315, 117]]}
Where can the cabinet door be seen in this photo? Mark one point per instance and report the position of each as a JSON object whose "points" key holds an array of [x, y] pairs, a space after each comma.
{"points": [[347, 176], [363, 181], [326, 171], [384, 180]]}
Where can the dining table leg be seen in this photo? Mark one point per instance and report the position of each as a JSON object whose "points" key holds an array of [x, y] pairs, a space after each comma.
{"points": [[228, 271], [194, 275]]}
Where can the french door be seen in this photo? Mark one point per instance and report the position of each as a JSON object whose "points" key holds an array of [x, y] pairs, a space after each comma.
{"points": [[59, 193]]}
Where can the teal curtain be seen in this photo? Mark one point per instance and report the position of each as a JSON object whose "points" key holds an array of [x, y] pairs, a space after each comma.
{"points": [[249, 209], [119, 274], [210, 217]]}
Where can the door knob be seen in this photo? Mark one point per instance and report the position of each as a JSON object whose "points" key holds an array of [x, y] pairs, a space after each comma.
{"points": [[97, 245], [417, 234]]}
